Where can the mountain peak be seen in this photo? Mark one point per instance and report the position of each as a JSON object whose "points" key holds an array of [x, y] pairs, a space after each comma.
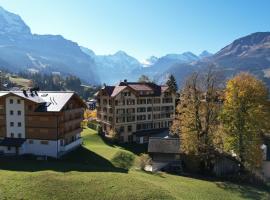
{"points": [[121, 53], [205, 54], [247, 45], [11, 23]]}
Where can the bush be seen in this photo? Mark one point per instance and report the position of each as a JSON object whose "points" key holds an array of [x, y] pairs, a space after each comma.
{"points": [[144, 160], [93, 125], [123, 160], [114, 136]]}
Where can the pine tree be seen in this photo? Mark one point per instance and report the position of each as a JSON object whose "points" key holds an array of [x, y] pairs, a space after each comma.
{"points": [[171, 82]]}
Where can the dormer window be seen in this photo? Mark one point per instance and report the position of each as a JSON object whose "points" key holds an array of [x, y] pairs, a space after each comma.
{"points": [[11, 101], [18, 101]]}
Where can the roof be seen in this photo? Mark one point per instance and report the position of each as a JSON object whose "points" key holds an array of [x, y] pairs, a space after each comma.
{"points": [[50, 101], [164, 88], [163, 145], [140, 88], [117, 90], [12, 142]]}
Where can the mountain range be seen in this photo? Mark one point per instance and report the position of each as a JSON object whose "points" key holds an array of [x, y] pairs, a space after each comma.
{"points": [[20, 50]]}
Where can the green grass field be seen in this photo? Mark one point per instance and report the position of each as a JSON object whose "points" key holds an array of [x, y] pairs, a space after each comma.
{"points": [[94, 172], [20, 81]]}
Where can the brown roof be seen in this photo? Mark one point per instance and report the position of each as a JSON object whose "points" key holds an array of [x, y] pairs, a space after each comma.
{"points": [[163, 145], [164, 88], [152, 88], [117, 90], [140, 87]]}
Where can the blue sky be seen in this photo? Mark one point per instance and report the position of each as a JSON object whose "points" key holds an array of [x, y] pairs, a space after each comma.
{"points": [[145, 27]]}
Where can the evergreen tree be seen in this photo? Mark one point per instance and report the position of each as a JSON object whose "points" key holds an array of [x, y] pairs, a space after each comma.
{"points": [[171, 82]]}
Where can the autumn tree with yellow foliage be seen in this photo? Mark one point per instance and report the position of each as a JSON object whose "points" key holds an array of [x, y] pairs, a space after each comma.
{"points": [[245, 117], [90, 114], [196, 120]]}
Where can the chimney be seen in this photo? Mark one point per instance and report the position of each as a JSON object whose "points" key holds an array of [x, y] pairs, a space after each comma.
{"points": [[125, 80]]}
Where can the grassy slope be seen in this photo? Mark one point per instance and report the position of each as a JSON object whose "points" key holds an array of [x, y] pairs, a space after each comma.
{"points": [[91, 175], [20, 81]]}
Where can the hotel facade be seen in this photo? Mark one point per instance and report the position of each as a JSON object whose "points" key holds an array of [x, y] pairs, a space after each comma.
{"points": [[135, 110]]}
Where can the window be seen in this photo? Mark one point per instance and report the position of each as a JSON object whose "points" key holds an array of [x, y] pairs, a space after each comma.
{"points": [[19, 112], [18, 101], [11, 112], [149, 117], [19, 124], [11, 101], [9, 148], [44, 142], [129, 128], [11, 123], [122, 129], [12, 135], [19, 135]]}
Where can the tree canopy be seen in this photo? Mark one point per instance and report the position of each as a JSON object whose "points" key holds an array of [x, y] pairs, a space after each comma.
{"points": [[171, 82], [245, 117]]}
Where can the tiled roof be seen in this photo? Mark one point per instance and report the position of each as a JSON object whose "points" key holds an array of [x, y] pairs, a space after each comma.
{"points": [[164, 88], [140, 87], [154, 89], [50, 101], [117, 90]]}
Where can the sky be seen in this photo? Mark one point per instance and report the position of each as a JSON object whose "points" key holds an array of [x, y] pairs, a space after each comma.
{"points": [[143, 28]]}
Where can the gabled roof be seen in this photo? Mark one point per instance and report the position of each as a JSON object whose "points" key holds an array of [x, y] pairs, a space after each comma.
{"points": [[164, 145], [137, 87], [33, 98], [49, 101], [117, 90]]}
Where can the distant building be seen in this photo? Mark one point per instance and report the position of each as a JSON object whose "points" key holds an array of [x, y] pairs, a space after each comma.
{"points": [[40, 123], [91, 104], [135, 110]]}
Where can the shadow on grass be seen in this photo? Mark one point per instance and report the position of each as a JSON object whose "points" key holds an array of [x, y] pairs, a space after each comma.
{"points": [[81, 159], [132, 147], [246, 192]]}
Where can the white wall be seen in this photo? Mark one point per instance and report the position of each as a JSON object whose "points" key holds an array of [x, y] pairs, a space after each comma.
{"points": [[15, 118], [37, 148]]}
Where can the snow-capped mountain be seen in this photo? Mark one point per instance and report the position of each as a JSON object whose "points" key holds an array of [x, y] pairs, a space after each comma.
{"points": [[149, 61], [12, 24], [21, 50]]}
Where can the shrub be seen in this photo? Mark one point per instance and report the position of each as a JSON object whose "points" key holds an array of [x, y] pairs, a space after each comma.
{"points": [[113, 135], [144, 160], [123, 160]]}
